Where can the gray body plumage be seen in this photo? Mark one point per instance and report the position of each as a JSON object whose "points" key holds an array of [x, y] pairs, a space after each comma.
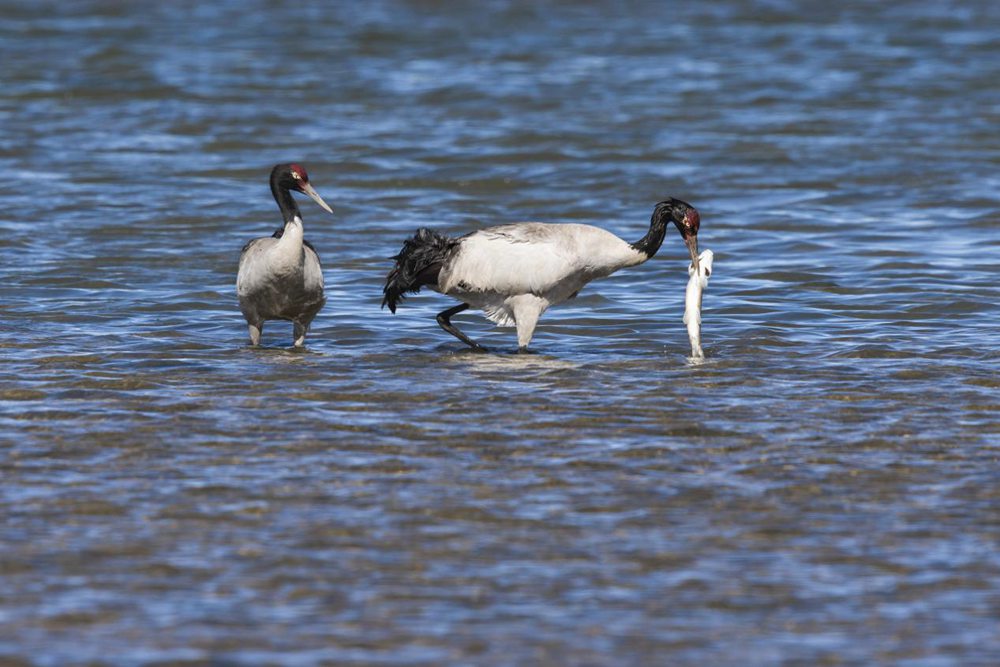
{"points": [[280, 279]]}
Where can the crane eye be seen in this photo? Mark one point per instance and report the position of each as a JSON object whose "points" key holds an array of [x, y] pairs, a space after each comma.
{"points": [[296, 176]]}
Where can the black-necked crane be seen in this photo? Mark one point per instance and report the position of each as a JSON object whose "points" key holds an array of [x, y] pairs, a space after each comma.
{"points": [[280, 277], [513, 273]]}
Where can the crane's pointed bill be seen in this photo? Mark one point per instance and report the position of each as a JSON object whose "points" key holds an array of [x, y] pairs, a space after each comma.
{"points": [[308, 189], [692, 244]]}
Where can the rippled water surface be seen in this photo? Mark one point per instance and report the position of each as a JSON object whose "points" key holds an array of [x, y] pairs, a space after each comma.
{"points": [[823, 489]]}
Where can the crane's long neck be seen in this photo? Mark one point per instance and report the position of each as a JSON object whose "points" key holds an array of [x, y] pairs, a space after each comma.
{"points": [[289, 209], [649, 244], [289, 247]]}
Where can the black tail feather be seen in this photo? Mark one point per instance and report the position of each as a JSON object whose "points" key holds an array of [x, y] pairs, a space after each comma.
{"points": [[417, 264]]}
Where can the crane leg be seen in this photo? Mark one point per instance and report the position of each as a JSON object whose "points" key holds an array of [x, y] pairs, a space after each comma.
{"points": [[527, 310], [444, 319], [299, 333], [255, 331]]}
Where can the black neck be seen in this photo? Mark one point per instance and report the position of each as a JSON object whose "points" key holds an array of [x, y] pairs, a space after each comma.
{"points": [[289, 209], [651, 242]]}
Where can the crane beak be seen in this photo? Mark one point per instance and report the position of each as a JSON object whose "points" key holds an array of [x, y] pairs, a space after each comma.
{"points": [[692, 244], [308, 189]]}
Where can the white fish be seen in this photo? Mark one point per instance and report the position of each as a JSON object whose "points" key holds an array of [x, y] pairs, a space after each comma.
{"points": [[692, 301]]}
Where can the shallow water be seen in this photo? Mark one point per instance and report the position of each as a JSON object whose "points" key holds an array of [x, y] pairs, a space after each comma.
{"points": [[823, 489]]}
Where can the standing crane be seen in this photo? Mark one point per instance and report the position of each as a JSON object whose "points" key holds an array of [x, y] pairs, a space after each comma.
{"points": [[280, 277]]}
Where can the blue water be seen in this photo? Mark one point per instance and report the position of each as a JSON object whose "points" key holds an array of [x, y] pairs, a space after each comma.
{"points": [[822, 490]]}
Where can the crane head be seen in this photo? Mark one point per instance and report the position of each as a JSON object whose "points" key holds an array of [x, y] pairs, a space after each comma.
{"points": [[685, 217], [294, 177]]}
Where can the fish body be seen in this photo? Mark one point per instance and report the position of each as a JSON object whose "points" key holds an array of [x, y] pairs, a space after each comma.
{"points": [[697, 282]]}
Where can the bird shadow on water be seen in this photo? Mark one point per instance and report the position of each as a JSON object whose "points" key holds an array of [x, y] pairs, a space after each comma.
{"points": [[280, 353], [579, 358], [503, 360]]}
